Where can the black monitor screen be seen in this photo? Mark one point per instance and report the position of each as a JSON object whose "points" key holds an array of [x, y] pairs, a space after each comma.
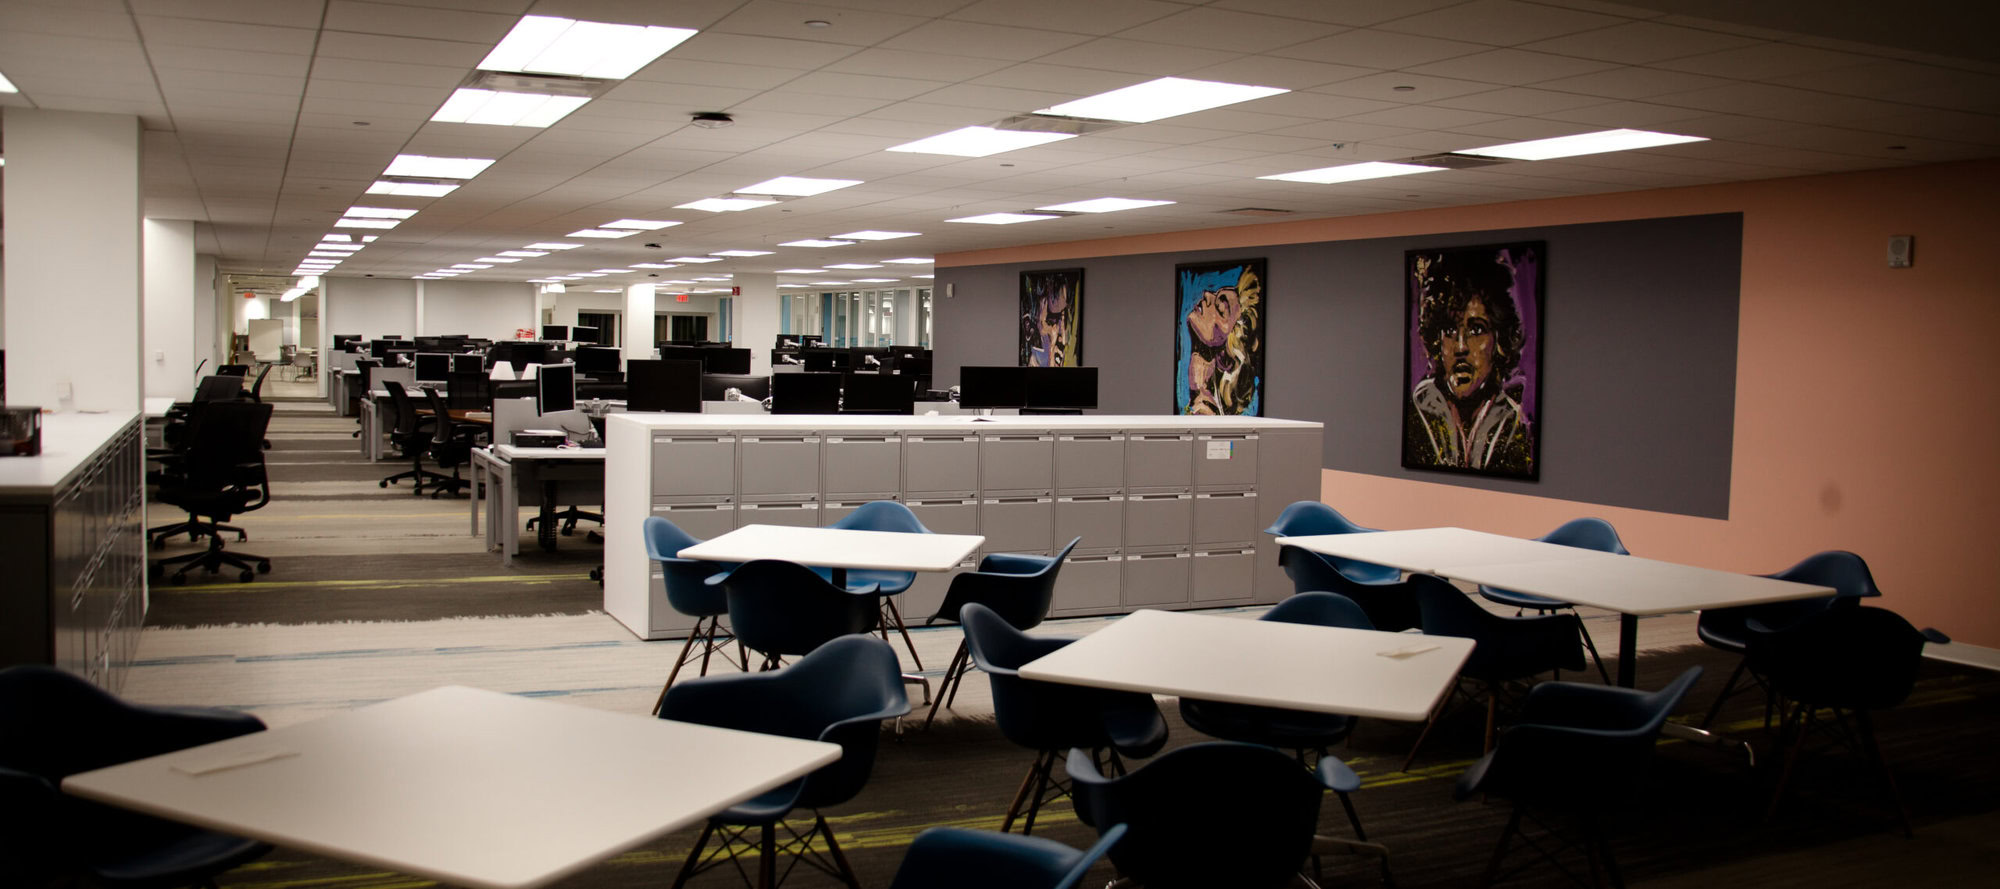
{"points": [[914, 367], [984, 387], [1061, 387], [519, 354], [467, 364], [433, 367], [724, 360], [818, 361], [341, 340], [878, 394], [788, 342], [663, 386], [556, 332], [555, 388], [714, 386], [597, 360], [872, 358], [379, 349], [805, 393], [583, 334]]}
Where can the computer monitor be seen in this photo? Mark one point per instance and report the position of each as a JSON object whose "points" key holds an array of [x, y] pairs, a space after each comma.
{"points": [[784, 358], [872, 357], [596, 360], [789, 342], [714, 386], [468, 364], [342, 340], [663, 385], [1060, 388], [555, 388], [820, 360], [914, 367], [581, 334], [517, 353], [555, 332], [379, 349], [805, 393], [988, 386], [725, 360], [877, 394], [433, 367]]}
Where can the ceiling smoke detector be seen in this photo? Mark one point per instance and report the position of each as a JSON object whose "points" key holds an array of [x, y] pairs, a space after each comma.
{"points": [[711, 120]]}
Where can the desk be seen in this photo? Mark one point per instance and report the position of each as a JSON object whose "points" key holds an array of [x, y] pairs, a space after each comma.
{"points": [[838, 548], [1429, 550], [469, 787], [509, 470], [156, 406], [1263, 663]]}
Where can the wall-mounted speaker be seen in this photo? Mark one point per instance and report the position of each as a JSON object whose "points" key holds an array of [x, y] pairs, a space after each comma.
{"points": [[1902, 251]]}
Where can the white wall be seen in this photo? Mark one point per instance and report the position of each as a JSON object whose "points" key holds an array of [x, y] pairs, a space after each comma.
{"points": [[169, 355], [203, 293], [493, 310], [370, 307], [74, 270]]}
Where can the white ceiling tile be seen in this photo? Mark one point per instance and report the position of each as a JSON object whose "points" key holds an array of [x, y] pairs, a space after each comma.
{"points": [[1764, 60], [1514, 129], [1906, 82], [908, 63], [1633, 83], [1519, 100], [366, 93], [1639, 43], [1346, 131], [238, 61], [1424, 117], [1138, 57], [998, 98], [778, 52], [384, 48], [866, 86], [856, 27], [396, 73], [1321, 106], [1935, 124], [1388, 87], [34, 18], [1370, 48], [761, 109], [983, 41], [730, 74], [211, 86], [417, 21], [689, 97], [1500, 22], [1097, 17], [1356, 13], [1632, 115], [1228, 30], [1291, 74], [1512, 66], [1264, 143]]}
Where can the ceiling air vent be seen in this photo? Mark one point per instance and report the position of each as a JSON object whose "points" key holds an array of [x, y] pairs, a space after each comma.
{"points": [[1258, 211], [1452, 161], [1048, 123], [543, 84]]}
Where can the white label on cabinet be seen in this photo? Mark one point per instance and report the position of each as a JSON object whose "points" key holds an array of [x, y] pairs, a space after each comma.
{"points": [[1221, 450]]}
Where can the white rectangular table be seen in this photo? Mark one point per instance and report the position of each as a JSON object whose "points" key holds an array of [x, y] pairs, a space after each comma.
{"points": [[838, 548], [1429, 550], [470, 787], [1264, 663], [507, 469]]}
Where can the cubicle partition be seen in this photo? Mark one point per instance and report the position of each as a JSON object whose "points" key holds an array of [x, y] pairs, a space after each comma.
{"points": [[1169, 508]]}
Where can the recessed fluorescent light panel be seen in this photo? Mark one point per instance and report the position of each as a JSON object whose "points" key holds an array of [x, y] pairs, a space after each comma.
{"points": [[875, 280], [469, 265], [926, 277], [544, 44], [349, 222], [524, 254], [611, 271], [911, 260], [1103, 205], [425, 166], [1162, 98], [7, 86], [1352, 172], [326, 254], [1580, 144], [1003, 218], [801, 271], [378, 213], [588, 275], [741, 253], [600, 233], [979, 141], [873, 235], [695, 259], [412, 189], [713, 279], [725, 205], [644, 225], [815, 242], [854, 266], [369, 239], [552, 245], [497, 259], [797, 186], [505, 109], [334, 237], [654, 265], [826, 283]]}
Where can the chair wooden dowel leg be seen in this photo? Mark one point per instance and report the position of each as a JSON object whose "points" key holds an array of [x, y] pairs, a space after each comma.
{"points": [[1500, 850], [952, 677], [676, 671], [897, 616], [694, 855], [1729, 688], [833, 850], [1048, 765], [1021, 796], [1492, 712], [1792, 751], [1874, 751]]}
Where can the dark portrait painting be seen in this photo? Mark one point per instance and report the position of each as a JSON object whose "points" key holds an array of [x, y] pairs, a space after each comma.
{"points": [[1472, 359], [1052, 318], [1220, 313]]}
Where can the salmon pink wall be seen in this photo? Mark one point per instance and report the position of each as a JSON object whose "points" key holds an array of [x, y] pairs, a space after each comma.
{"points": [[1867, 398]]}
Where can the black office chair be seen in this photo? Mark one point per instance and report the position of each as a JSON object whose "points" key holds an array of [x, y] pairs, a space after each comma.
{"points": [[54, 724], [223, 476], [450, 447], [412, 436], [365, 369], [256, 394]]}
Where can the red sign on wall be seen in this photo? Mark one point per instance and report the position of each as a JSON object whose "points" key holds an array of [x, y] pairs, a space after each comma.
{"points": [[680, 297]]}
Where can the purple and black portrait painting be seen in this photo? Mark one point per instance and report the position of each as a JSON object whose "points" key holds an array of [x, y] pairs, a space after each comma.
{"points": [[1472, 359]]}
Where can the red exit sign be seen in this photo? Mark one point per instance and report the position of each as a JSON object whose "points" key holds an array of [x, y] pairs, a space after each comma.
{"points": [[680, 297]]}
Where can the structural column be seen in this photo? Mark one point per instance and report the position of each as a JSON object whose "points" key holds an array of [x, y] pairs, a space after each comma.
{"points": [[755, 326], [170, 313], [639, 299], [75, 269]]}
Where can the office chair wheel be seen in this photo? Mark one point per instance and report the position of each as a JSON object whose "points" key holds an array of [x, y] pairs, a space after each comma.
{"points": [[593, 537], [264, 567], [246, 576], [384, 483]]}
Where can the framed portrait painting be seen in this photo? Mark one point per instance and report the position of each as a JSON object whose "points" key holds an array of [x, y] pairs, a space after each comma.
{"points": [[1472, 359], [1052, 318], [1221, 310]]}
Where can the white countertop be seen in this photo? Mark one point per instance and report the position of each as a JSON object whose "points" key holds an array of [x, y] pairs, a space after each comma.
{"points": [[958, 423], [68, 441]]}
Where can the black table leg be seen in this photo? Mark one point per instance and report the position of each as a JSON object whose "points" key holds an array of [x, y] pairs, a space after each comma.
{"points": [[545, 528], [1628, 649]]}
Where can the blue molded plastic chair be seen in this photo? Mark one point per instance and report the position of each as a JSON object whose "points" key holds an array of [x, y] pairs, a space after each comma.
{"points": [[1378, 589], [1507, 649], [1212, 814], [1727, 628], [955, 858], [1580, 749], [783, 608], [885, 515], [54, 724], [1584, 533], [1049, 717], [1017, 587], [840, 693], [1849, 660], [690, 594]]}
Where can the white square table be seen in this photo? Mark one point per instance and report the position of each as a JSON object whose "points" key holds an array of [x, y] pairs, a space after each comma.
{"points": [[838, 548], [1264, 663], [1633, 586], [1429, 550], [469, 787]]}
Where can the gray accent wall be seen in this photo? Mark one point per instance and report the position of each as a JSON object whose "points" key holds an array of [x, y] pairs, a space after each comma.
{"points": [[1638, 349]]}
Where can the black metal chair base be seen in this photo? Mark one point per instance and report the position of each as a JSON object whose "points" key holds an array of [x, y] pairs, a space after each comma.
{"points": [[798, 848], [708, 634]]}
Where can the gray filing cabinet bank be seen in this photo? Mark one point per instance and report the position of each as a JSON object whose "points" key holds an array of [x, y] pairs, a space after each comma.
{"points": [[1170, 509]]}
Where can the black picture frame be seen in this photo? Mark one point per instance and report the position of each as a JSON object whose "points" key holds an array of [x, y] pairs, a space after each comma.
{"points": [[1221, 315], [1472, 403]]}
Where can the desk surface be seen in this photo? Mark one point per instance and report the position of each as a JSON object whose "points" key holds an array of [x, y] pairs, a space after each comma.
{"points": [[1632, 585], [1427, 550], [838, 548], [511, 453], [1266, 663], [469, 787]]}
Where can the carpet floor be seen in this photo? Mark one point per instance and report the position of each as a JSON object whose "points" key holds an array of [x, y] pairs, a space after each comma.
{"points": [[375, 593]]}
